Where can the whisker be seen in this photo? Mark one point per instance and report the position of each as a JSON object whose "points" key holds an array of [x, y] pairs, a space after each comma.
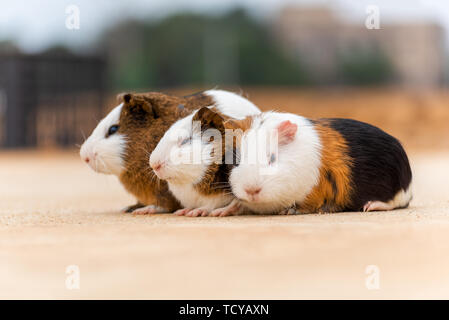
{"points": [[102, 161], [95, 119], [84, 136]]}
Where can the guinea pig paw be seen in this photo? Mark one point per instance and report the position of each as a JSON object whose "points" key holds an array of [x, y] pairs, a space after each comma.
{"points": [[181, 212], [197, 212], [217, 212], [148, 210], [130, 209], [377, 206], [205, 213], [223, 212]]}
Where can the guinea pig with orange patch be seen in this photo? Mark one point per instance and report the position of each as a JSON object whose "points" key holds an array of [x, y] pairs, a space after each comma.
{"points": [[122, 142], [289, 164]]}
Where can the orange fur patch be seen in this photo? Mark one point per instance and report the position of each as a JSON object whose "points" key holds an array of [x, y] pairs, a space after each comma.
{"points": [[333, 192], [243, 124]]}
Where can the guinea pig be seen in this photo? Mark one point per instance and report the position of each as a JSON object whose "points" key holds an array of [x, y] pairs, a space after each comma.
{"points": [[324, 165], [191, 158], [122, 142]]}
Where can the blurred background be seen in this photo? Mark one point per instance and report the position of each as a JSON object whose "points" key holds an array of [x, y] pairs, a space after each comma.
{"points": [[63, 62]]}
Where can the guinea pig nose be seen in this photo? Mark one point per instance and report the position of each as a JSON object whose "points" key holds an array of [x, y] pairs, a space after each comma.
{"points": [[157, 165], [252, 191]]}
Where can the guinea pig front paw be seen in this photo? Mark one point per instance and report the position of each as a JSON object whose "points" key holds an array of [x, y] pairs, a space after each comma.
{"points": [[231, 210], [130, 209], [220, 212], [181, 212], [198, 212], [151, 209]]}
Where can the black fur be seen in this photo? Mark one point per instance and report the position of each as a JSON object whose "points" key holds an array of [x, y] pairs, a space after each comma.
{"points": [[380, 167], [331, 179]]}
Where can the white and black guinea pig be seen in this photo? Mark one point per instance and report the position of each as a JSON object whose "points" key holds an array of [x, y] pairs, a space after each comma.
{"points": [[123, 140], [324, 165]]}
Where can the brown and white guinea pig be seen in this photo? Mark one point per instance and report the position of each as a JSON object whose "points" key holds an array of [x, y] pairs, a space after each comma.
{"points": [[123, 140], [191, 158], [325, 165]]}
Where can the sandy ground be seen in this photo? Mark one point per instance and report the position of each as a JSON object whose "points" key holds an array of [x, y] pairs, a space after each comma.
{"points": [[55, 212]]}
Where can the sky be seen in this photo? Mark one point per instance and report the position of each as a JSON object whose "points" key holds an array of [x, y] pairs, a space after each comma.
{"points": [[35, 25]]}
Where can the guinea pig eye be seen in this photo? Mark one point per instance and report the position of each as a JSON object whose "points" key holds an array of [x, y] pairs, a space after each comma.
{"points": [[272, 158], [184, 141], [112, 129]]}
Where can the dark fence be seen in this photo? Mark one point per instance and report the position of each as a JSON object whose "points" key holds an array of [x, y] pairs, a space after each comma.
{"points": [[49, 100]]}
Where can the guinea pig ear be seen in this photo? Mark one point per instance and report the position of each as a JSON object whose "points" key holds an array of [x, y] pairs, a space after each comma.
{"points": [[209, 118], [124, 97], [137, 104], [286, 132]]}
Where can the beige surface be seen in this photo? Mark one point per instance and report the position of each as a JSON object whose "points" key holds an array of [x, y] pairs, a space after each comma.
{"points": [[55, 212]]}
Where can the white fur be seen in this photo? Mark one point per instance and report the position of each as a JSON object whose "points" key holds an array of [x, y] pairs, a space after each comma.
{"points": [[233, 104], [181, 177], [168, 149], [105, 153], [190, 198], [295, 171], [402, 198]]}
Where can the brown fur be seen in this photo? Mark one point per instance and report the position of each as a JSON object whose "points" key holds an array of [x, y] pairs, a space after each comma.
{"points": [[333, 192], [215, 180], [239, 127], [144, 120], [243, 124]]}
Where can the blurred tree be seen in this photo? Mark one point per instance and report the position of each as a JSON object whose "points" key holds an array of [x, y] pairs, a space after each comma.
{"points": [[57, 50], [192, 49], [8, 47], [365, 67]]}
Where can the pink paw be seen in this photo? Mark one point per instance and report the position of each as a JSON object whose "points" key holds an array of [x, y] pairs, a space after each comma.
{"points": [[224, 212], [198, 212], [181, 212], [376, 206], [146, 210], [218, 212]]}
